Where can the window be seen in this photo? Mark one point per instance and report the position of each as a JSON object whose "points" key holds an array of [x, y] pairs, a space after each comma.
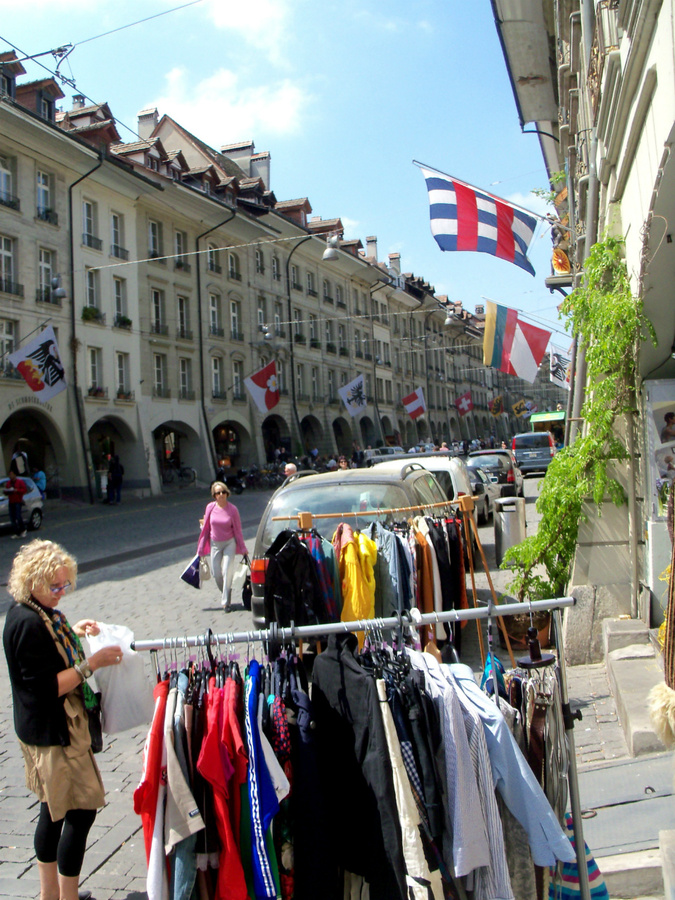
{"points": [[358, 349], [185, 377], [311, 290], [387, 388], [238, 379], [235, 321], [122, 367], [338, 296], [297, 322], [277, 320], [180, 248], [213, 258], [300, 381], [233, 270], [366, 347], [368, 386], [46, 107], [157, 312], [184, 318], [94, 368], [331, 385], [214, 315], [326, 290], [329, 331], [6, 261], [159, 370], [342, 337], [44, 198], [259, 261], [316, 385], [217, 377], [154, 239], [120, 296], [45, 273], [117, 237], [313, 330], [295, 278], [262, 313], [7, 197], [92, 291], [7, 343], [276, 271], [343, 379], [281, 376], [379, 388], [89, 229]]}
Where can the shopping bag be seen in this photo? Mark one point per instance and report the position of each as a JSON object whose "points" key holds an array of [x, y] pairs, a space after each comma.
{"points": [[204, 569], [190, 573], [126, 692]]}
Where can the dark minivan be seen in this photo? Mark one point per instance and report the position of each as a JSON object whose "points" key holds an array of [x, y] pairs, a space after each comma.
{"points": [[533, 450]]}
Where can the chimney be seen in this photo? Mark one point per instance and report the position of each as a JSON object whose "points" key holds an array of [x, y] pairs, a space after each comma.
{"points": [[371, 247], [78, 101], [395, 263], [147, 122]]}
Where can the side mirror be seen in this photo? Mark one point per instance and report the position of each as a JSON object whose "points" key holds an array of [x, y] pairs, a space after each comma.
{"points": [[479, 488]]}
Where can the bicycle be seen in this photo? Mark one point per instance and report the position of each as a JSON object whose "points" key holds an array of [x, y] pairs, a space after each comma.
{"points": [[182, 474]]}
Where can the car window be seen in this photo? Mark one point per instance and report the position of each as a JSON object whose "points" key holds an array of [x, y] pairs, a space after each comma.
{"points": [[444, 478], [339, 499], [427, 489], [478, 474], [538, 441], [489, 461]]}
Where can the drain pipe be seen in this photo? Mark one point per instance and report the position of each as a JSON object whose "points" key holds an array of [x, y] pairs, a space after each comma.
{"points": [[73, 335], [201, 336]]}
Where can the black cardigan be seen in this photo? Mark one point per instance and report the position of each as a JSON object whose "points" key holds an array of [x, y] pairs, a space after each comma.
{"points": [[34, 662]]}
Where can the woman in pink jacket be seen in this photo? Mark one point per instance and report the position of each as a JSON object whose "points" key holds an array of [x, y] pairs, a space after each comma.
{"points": [[222, 537]]}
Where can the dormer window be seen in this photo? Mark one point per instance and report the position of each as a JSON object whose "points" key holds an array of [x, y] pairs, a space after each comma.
{"points": [[7, 84], [46, 107], [153, 163]]}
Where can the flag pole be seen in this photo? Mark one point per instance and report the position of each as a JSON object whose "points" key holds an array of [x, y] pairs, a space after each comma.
{"points": [[473, 187]]}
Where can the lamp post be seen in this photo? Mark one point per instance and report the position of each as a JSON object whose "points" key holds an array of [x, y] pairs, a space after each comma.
{"points": [[291, 354]]}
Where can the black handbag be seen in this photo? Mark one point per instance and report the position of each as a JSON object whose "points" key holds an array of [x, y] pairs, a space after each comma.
{"points": [[247, 591], [95, 730]]}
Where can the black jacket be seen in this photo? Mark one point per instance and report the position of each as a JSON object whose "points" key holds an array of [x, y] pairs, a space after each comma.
{"points": [[292, 589], [34, 663], [364, 831]]}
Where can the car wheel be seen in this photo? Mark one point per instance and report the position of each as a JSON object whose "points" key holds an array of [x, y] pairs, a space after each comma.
{"points": [[35, 520]]}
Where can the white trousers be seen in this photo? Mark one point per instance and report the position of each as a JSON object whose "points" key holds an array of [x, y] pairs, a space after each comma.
{"points": [[222, 567]]}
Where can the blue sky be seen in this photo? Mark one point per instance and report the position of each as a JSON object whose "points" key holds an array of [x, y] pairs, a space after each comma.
{"points": [[344, 97]]}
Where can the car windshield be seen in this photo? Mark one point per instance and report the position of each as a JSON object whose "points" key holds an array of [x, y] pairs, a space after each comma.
{"points": [[532, 441], [337, 499], [489, 461]]}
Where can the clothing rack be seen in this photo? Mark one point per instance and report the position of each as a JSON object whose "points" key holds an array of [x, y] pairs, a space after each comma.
{"points": [[415, 619], [305, 519]]}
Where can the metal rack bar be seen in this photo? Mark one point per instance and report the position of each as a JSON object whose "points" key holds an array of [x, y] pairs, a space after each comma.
{"points": [[414, 619]]}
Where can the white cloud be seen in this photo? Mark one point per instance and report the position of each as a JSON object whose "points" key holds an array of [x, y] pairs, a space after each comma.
{"points": [[220, 109], [264, 25]]}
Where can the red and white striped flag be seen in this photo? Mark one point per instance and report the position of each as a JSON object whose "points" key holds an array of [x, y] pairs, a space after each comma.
{"points": [[264, 387], [414, 403]]}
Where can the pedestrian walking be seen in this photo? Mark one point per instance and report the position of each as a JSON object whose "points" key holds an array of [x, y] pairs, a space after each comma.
{"points": [[40, 480], [19, 462], [15, 489], [115, 478], [48, 673], [221, 537]]}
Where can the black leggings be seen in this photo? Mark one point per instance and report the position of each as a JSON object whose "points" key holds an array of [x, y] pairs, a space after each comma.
{"points": [[64, 841]]}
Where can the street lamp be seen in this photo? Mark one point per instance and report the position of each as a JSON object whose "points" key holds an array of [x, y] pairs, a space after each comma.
{"points": [[330, 254]]}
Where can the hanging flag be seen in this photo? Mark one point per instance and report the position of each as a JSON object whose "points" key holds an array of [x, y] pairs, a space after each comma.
{"points": [[561, 367], [414, 403], [464, 404], [496, 406], [530, 409], [264, 387], [511, 344], [39, 362], [466, 218], [519, 408], [353, 395]]}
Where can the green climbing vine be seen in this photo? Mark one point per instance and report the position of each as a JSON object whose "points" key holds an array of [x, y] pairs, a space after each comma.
{"points": [[609, 320]]}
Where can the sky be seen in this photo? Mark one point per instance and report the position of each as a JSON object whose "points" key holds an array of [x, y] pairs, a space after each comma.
{"points": [[343, 96]]}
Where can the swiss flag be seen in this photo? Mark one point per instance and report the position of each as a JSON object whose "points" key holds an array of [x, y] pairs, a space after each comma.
{"points": [[464, 404], [264, 387], [414, 403]]}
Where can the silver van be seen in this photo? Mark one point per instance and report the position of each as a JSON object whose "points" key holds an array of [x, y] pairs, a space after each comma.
{"points": [[533, 450]]}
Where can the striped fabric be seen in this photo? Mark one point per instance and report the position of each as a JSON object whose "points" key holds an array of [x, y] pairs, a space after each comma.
{"points": [[465, 218], [512, 345], [564, 881]]}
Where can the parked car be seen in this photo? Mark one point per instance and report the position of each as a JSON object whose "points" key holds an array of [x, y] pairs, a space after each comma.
{"points": [[502, 465], [32, 504], [485, 492], [392, 484], [390, 451], [533, 450]]}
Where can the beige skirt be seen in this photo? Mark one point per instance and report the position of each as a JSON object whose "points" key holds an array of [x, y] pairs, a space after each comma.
{"points": [[66, 777]]}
